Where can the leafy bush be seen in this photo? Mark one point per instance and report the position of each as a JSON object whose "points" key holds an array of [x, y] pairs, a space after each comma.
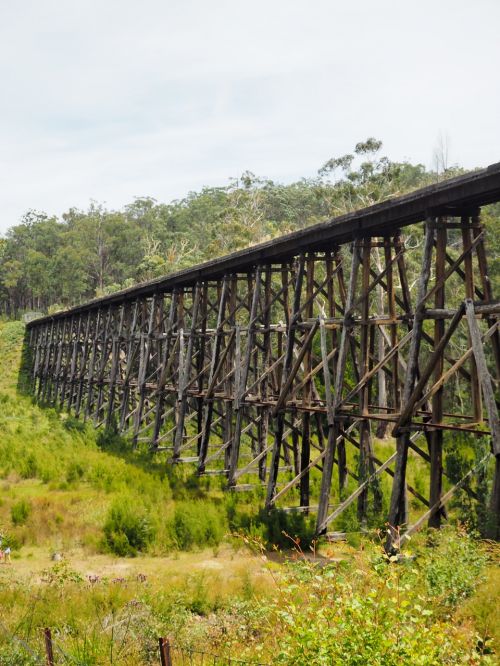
{"points": [[20, 512], [452, 566], [197, 524], [73, 424], [281, 527], [460, 457], [127, 529], [75, 472], [11, 541], [276, 528], [29, 467], [335, 615], [110, 438]]}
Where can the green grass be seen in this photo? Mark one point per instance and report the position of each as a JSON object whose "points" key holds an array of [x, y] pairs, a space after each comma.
{"points": [[62, 480]]}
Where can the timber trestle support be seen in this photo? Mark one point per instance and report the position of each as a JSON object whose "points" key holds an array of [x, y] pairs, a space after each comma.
{"points": [[283, 366]]}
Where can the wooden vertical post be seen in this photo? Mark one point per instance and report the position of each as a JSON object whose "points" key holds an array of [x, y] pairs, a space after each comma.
{"points": [[200, 362], [144, 357], [326, 479], [382, 392], [486, 284], [469, 293], [242, 377], [165, 652], [305, 450], [391, 296], [83, 363], [73, 367], [365, 433], [62, 371], [492, 410], [184, 375], [131, 348], [103, 362], [46, 376], [92, 363], [49, 651], [209, 405], [266, 362], [436, 436], [115, 364], [280, 417], [162, 377], [398, 506], [230, 382]]}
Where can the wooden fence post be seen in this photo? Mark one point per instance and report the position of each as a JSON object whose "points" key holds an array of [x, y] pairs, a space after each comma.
{"points": [[48, 647], [165, 655]]}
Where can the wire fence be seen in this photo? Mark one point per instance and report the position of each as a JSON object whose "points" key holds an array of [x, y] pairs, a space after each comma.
{"points": [[172, 654], [169, 653], [22, 645]]}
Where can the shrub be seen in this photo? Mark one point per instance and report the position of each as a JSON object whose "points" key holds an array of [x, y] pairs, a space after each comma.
{"points": [[29, 468], [197, 524], [127, 529], [280, 526], [276, 528], [451, 584], [73, 424], [20, 512], [109, 438], [330, 616], [75, 472], [11, 541]]}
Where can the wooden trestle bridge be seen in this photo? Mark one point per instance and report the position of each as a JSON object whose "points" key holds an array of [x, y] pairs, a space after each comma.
{"points": [[268, 364]]}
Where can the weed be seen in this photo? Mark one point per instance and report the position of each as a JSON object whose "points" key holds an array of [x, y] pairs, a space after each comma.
{"points": [[196, 524], [128, 528], [20, 512]]}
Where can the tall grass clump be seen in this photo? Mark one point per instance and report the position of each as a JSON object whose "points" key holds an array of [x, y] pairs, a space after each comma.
{"points": [[196, 525], [128, 529], [452, 564], [276, 528], [20, 512]]}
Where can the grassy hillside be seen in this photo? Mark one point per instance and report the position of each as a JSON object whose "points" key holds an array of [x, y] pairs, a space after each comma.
{"points": [[67, 489], [63, 482]]}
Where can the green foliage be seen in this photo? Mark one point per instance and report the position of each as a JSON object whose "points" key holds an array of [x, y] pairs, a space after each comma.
{"points": [[283, 529], [196, 524], [20, 512], [460, 457], [109, 438], [128, 528], [60, 574], [275, 528], [452, 564], [337, 623], [15, 653], [340, 614], [73, 424]]}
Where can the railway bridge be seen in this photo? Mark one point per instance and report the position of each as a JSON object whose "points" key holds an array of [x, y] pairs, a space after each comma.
{"points": [[278, 365]]}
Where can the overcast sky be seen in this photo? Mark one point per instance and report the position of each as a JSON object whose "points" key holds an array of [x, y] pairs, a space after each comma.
{"points": [[111, 99]]}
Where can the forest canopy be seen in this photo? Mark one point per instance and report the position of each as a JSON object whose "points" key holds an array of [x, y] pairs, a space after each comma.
{"points": [[49, 263]]}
